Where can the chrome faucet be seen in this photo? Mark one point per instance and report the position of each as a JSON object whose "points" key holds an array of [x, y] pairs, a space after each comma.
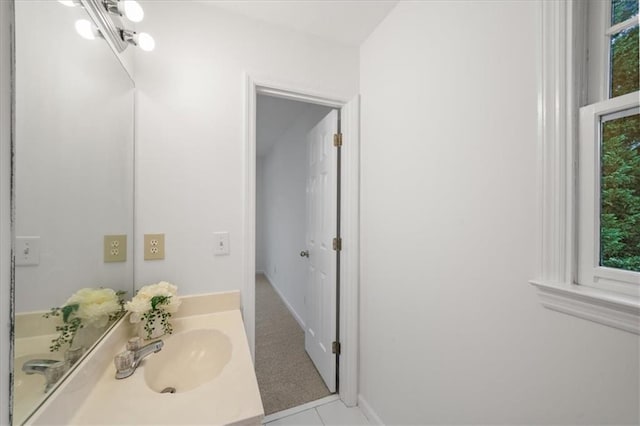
{"points": [[51, 369], [127, 361]]}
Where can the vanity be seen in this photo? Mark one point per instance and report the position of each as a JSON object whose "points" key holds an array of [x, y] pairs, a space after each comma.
{"points": [[202, 375]]}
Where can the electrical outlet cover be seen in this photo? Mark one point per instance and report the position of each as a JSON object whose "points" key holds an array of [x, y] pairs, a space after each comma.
{"points": [[115, 248], [153, 246]]}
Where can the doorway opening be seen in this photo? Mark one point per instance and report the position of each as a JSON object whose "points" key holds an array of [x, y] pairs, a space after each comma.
{"points": [[296, 257], [348, 306]]}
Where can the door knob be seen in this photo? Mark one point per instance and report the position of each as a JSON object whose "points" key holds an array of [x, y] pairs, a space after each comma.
{"points": [[304, 253]]}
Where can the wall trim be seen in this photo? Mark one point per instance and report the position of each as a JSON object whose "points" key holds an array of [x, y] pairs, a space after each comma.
{"points": [[368, 412], [591, 304], [295, 314], [349, 265], [350, 255], [7, 102], [557, 117]]}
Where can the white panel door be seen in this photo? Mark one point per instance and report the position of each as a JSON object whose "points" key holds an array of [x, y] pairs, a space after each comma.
{"points": [[320, 295]]}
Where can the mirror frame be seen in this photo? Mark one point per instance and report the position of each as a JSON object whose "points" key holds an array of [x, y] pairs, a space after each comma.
{"points": [[7, 204]]}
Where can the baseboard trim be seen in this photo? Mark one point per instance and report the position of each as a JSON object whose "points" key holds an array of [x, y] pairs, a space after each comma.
{"points": [[300, 408], [368, 411], [297, 317]]}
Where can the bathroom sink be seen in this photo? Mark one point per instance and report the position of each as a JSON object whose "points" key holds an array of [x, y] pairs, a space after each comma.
{"points": [[206, 361], [188, 360]]}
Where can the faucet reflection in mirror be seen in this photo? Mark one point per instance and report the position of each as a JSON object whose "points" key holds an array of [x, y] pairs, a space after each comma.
{"points": [[79, 323]]}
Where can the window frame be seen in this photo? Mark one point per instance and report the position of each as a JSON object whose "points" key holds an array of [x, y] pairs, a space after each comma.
{"points": [[562, 89], [590, 272], [599, 39]]}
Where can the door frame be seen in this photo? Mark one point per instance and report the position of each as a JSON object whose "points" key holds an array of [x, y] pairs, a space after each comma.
{"points": [[349, 219]]}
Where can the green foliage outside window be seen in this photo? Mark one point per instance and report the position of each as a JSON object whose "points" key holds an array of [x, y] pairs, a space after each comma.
{"points": [[620, 152], [620, 194], [625, 77], [621, 10]]}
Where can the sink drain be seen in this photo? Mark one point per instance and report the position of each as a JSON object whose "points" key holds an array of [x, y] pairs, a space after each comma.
{"points": [[169, 389]]}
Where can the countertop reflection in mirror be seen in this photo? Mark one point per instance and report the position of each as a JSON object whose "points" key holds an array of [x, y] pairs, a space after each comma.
{"points": [[73, 187]]}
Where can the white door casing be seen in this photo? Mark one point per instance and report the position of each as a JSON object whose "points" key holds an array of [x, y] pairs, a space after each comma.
{"points": [[320, 295], [350, 217], [350, 251]]}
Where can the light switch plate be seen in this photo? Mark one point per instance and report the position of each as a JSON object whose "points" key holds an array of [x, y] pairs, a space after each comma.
{"points": [[27, 251], [153, 246], [220, 243], [115, 248]]}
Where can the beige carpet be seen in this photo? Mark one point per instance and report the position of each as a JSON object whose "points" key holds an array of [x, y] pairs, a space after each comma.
{"points": [[286, 375]]}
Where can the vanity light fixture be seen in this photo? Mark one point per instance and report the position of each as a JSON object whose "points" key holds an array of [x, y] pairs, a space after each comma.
{"points": [[107, 15], [129, 8], [143, 40], [87, 30]]}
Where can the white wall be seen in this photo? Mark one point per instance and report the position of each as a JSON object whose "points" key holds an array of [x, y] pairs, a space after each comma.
{"points": [[284, 209], [450, 330], [74, 156], [6, 27], [190, 129]]}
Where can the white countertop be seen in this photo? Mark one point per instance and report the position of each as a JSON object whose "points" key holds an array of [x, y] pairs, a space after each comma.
{"points": [[232, 397]]}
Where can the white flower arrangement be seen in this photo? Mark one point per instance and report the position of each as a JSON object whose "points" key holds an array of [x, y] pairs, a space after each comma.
{"points": [[86, 307], [95, 305], [154, 302]]}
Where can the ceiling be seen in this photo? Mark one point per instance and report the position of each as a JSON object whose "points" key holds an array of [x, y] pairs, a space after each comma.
{"points": [[275, 116], [345, 21]]}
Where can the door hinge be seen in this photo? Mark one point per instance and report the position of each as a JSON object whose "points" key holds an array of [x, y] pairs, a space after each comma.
{"points": [[337, 139], [335, 348], [337, 244]]}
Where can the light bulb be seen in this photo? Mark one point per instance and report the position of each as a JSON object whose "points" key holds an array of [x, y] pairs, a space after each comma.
{"points": [[86, 29], [68, 3], [132, 10], [146, 42]]}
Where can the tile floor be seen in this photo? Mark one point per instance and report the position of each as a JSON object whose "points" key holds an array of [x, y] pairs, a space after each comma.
{"points": [[332, 413]]}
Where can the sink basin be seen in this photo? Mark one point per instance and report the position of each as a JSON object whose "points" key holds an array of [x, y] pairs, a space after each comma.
{"points": [[187, 361]]}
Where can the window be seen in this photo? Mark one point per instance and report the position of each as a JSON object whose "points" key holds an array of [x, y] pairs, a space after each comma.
{"points": [[609, 152], [588, 156]]}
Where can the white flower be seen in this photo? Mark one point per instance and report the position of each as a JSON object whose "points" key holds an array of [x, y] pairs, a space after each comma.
{"points": [[95, 305], [141, 303]]}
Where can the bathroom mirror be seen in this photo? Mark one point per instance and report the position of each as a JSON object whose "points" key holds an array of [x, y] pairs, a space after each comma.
{"points": [[73, 186]]}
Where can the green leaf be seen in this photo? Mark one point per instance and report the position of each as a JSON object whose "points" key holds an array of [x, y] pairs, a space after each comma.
{"points": [[68, 310], [159, 300]]}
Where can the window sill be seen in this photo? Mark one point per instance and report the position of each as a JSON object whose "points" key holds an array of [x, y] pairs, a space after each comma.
{"points": [[615, 310]]}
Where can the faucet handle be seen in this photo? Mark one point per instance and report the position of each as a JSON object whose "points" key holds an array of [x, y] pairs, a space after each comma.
{"points": [[124, 360], [134, 344]]}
